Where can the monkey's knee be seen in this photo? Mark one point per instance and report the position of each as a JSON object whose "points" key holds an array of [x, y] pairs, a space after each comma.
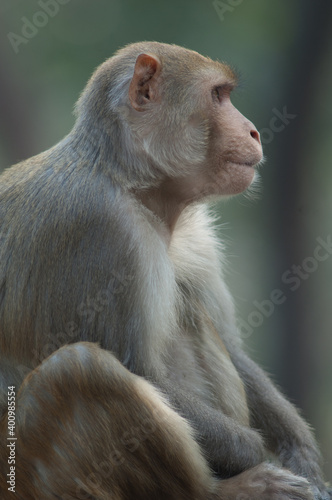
{"points": [[87, 426]]}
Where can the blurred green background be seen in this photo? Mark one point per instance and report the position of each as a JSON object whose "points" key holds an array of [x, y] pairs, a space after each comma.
{"points": [[283, 49]]}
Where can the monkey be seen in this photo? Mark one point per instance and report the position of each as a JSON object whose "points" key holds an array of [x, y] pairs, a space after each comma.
{"points": [[118, 334]]}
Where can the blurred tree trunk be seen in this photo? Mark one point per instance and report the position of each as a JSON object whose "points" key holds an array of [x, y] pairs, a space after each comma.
{"points": [[17, 120], [297, 369]]}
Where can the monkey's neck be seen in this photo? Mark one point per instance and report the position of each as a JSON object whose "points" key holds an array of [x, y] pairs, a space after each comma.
{"points": [[164, 213], [165, 204]]}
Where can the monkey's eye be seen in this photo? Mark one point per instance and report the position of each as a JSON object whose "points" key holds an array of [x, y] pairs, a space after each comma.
{"points": [[217, 93], [220, 92]]}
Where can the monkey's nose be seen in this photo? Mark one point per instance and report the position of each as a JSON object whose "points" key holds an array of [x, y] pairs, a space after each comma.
{"points": [[255, 135]]}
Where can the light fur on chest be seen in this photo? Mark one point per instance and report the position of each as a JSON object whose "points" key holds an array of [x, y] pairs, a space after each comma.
{"points": [[200, 362]]}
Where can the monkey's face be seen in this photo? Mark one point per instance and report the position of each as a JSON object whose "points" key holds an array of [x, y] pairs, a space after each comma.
{"points": [[234, 147], [182, 111], [229, 144]]}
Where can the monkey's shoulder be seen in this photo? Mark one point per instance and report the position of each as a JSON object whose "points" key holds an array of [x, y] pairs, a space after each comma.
{"points": [[53, 193]]}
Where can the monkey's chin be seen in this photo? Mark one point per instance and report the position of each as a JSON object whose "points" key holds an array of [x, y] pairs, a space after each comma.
{"points": [[239, 177]]}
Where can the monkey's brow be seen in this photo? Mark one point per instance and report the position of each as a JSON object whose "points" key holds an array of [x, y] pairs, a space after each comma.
{"points": [[232, 80], [228, 86], [230, 73]]}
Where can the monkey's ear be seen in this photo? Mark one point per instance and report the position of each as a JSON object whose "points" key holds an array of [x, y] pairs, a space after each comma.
{"points": [[143, 86]]}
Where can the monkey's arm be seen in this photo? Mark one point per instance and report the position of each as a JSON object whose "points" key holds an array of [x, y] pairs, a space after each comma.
{"points": [[284, 431], [229, 447]]}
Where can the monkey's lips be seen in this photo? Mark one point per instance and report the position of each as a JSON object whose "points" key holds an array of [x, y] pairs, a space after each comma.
{"points": [[250, 160], [245, 168], [251, 163], [245, 164], [248, 165]]}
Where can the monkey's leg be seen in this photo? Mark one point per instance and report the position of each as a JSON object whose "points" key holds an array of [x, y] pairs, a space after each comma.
{"points": [[88, 428]]}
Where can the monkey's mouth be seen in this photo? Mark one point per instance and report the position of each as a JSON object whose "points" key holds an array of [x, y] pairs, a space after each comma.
{"points": [[250, 163], [245, 164]]}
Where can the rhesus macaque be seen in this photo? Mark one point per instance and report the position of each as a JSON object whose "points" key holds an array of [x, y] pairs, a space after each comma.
{"points": [[116, 326]]}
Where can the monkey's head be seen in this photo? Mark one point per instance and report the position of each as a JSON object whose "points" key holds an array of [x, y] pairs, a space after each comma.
{"points": [[167, 114]]}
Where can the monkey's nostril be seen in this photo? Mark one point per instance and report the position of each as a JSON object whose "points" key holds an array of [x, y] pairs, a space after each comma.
{"points": [[255, 135]]}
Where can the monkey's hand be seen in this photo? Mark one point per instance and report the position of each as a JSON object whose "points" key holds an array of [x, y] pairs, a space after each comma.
{"points": [[264, 482], [322, 495], [304, 460]]}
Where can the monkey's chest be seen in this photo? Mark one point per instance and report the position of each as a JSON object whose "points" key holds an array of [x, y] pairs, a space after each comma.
{"points": [[201, 365]]}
